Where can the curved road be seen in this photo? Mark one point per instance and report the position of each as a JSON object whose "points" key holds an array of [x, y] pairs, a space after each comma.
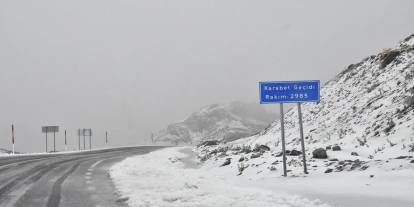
{"points": [[65, 180]]}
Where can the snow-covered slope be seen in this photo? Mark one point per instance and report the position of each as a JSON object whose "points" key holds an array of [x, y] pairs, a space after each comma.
{"points": [[369, 105], [226, 122], [367, 110]]}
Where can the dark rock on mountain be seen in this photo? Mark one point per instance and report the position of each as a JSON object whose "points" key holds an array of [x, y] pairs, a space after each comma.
{"points": [[319, 153], [336, 148], [227, 162], [255, 155], [261, 148], [295, 153], [329, 170], [209, 143]]}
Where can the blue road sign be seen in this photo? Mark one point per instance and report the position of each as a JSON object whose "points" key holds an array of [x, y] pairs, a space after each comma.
{"points": [[289, 91]]}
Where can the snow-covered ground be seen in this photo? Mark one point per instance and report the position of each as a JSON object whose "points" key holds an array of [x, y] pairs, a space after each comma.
{"points": [[341, 180], [172, 177]]}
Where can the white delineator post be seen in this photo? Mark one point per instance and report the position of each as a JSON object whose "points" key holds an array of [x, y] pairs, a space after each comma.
{"points": [[66, 148], [54, 141], [12, 126], [106, 137], [46, 141]]}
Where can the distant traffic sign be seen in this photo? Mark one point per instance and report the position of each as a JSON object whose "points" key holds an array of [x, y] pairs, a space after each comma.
{"points": [[289, 91], [47, 129], [87, 132], [51, 129]]}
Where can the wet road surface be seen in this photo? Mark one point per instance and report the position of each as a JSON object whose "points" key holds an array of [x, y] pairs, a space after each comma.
{"points": [[65, 180]]}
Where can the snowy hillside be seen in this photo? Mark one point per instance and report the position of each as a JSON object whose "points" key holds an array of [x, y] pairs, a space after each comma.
{"points": [[218, 122], [369, 106], [366, 110]]}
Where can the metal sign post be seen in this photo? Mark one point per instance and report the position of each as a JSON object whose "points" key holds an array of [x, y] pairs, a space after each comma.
{"points": [[90, 140], [87, 132], [290, 92], [79, 134], [302, 140], [282, 131], [12, 126]]}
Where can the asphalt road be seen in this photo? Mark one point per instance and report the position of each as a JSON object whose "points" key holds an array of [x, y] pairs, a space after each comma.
{"points": [[65, 180]]}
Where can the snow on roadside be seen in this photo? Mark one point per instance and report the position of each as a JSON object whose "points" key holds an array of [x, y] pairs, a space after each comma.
{"points": [[8, 153], [166, 178]]}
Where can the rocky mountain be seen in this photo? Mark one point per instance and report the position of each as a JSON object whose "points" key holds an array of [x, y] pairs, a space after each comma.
{"points": [[366, 112], [227, 122]]}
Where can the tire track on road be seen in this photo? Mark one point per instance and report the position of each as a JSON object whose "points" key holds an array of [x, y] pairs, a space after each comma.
{"points": [[31, 175], [16, 187], [42, 167], [54, 198]]}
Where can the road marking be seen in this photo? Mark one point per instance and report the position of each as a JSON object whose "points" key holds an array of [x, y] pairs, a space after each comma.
{"points": [[88, 174], [95, 164]]}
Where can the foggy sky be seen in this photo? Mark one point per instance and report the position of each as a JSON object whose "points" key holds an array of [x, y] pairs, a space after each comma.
{"points": [[131, 67]]}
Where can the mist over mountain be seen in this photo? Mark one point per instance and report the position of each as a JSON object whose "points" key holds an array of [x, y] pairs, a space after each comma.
{"points": [[222, 122]]}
